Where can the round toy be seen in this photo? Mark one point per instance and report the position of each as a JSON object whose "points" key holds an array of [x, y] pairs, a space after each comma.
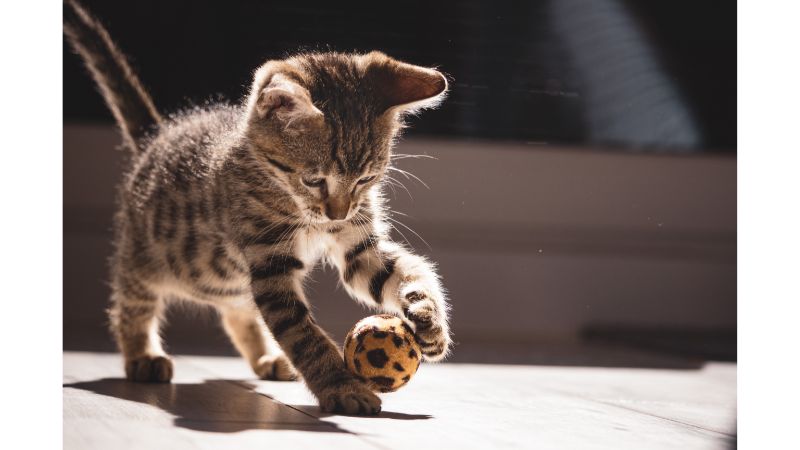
{"points": [[381, 351]]}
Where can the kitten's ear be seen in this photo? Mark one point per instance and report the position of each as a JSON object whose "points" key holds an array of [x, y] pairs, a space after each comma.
{"points": [[289, 103], [404, 86]]}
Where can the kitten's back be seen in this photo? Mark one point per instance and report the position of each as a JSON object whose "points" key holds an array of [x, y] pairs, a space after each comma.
{"points": [[182, 152]]}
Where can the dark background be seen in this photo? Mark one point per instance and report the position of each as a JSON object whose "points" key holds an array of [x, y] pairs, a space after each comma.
{"points": [[530, 71], [583, 190]]}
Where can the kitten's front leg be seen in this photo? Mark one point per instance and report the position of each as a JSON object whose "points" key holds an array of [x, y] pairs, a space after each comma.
{"points": [[384, 273], [280, 301]]}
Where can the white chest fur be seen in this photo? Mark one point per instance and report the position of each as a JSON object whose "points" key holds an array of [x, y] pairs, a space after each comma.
{"points": [[311, 245]]}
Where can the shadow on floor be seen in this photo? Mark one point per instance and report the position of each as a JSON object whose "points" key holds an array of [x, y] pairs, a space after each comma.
{"points": [[313, 410], [221, 406]]}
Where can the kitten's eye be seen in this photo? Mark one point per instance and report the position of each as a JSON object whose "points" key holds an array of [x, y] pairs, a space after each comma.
{"points": [[313, 182], [366, 180]]}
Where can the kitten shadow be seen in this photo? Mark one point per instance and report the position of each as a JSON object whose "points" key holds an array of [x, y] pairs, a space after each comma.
{"points": [[221, 406], [313, 410]]}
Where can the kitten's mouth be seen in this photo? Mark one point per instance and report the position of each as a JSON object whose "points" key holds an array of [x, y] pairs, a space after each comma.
{"points": [[330, 221], [316, 217]]}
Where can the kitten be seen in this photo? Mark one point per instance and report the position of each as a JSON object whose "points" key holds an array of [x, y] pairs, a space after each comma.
{"points": [[232, 206]]}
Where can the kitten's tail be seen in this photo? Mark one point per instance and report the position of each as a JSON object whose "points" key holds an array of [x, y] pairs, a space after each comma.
{"points": [[124, 94]]}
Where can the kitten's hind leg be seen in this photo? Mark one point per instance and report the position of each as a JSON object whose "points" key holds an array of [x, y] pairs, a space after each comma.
{"points": [[250, 336], [135, 316]]}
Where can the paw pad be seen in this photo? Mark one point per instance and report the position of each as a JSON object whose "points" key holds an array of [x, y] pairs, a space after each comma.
{"points": [[149, 369]]}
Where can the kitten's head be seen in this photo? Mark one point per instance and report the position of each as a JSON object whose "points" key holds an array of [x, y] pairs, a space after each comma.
{"points": [[324, 124]]}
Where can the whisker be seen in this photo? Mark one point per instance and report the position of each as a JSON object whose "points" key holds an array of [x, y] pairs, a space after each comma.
{"points": [[400, 184], [411, 230], [408, 174], [407, 156], [401, 233], [391, 186], [394, 211]]}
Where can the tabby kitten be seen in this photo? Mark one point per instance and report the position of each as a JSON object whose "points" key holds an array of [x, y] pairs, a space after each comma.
{"points": [[232, 206]]}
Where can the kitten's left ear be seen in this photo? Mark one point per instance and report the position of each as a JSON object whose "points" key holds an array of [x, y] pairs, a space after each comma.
{"points": [[285, 102], [401, 86]]}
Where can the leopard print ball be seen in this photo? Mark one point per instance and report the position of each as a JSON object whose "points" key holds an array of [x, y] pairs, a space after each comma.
{"points": [[381, 351]]}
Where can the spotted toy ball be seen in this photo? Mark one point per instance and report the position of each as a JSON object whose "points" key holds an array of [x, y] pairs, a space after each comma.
{"points": [[381, 351]]}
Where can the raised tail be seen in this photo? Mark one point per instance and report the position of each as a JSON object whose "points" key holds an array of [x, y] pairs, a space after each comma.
{"points": [[129, 102]]}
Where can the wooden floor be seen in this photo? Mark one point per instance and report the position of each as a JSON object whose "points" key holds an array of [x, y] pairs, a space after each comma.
{"points": [[214, 403]]}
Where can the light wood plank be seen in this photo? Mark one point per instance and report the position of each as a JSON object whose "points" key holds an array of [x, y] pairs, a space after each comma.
{"points": [[216, 403]]}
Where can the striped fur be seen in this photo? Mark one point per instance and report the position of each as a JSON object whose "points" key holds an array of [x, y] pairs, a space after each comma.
{"points": [[233, 205]]}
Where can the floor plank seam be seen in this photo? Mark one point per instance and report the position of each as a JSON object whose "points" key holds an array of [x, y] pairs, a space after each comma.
{"points": [[240, 382], [626, 408], [322, 422], [699, 427]]}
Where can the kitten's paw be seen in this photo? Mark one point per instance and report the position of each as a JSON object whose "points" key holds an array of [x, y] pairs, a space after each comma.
{"points": [[275, 367], [350, 399], [149, 369], [421, 310], [432, 335]]}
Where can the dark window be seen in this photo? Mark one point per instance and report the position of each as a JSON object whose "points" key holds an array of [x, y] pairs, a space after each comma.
{"points": [[654, 75]]}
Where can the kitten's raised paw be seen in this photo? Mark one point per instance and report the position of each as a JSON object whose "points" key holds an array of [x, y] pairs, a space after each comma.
{"points": [[422, 311], [149, 369], [351, 399], [434, 343], [432, 337], [275, 367]]}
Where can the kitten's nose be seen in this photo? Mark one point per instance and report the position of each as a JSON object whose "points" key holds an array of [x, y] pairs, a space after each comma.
{"points": [[337, 208]]}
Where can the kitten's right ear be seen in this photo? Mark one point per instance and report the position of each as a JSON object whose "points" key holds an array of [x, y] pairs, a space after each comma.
{"points": [[286, 102], [401, 86]]}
